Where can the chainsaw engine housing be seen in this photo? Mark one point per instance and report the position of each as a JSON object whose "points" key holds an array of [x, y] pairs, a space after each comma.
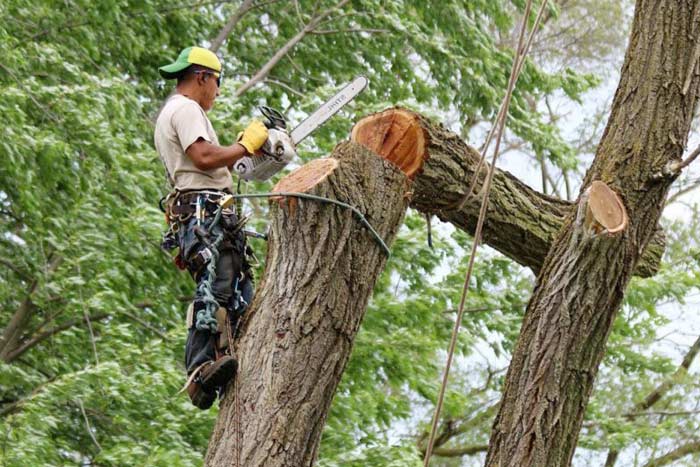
{"points": [[275, 154]]}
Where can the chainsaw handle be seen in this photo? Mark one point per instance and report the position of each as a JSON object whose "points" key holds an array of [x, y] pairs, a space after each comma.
{"points": [[274, 117]]}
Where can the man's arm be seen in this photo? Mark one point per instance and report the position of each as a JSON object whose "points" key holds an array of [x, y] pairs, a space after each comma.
{"points": [[207, 156]]}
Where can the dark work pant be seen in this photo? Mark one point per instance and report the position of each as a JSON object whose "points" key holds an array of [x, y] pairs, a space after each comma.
{"points": [[229, 267]]}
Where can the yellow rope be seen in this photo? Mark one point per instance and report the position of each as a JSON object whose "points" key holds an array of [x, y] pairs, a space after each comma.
{"points": [[498, 128]]}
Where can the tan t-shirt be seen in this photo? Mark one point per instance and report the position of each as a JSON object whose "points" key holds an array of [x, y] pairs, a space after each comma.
{"points": [[182, 122]]}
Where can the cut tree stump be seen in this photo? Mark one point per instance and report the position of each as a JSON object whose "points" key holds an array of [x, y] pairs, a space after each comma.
{"points": [[521, 223], [605, 212], [321, 267]]}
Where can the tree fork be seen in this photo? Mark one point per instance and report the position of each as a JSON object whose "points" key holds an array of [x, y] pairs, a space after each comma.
{"points": [[297, 336], [583, 279], [521, 223]]}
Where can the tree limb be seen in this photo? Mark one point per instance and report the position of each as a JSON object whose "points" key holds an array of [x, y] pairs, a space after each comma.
{"points": [[245, 7], [349, 31], [10, 265], [674, 455], [284, 50], [688, 160], [51, 332], [654, 396], [15, 327], [461, 450], [521, 223]]}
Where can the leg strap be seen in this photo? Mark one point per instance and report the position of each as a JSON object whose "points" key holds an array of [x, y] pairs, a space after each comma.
{"points": [[190, 316], [222, 323]]}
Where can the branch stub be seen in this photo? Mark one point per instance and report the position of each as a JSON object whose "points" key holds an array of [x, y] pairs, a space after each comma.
{"points": [[605, 212]]}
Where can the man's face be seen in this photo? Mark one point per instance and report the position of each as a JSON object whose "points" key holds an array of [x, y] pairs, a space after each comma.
{"points": [[209, 89]]}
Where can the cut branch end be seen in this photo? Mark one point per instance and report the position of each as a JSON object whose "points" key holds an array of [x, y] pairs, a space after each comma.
{"points": [[605, 212], [397, 136], [306, 177]]}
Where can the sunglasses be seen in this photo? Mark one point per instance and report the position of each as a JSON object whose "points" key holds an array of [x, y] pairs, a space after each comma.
{"points": [[213, 73]]}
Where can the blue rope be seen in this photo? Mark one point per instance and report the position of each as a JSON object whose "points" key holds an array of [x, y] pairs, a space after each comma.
{"points": [[206, 317]]}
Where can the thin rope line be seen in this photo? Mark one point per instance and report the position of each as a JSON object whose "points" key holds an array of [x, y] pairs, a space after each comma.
{"points": [[515, 71], [520, 61]]}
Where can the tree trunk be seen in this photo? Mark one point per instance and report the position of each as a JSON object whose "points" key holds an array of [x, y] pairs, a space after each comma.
{"points": [[321, 267], [583, 279], [521, 223]]}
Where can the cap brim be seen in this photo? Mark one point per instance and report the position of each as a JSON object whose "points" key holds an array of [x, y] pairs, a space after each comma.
{"points": [[173, 70]]}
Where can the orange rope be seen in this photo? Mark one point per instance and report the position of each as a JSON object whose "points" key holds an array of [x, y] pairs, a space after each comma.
{"points": [[499, 125]]}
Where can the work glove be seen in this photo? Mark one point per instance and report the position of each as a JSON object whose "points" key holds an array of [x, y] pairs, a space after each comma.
{"points": [[253, 137]]}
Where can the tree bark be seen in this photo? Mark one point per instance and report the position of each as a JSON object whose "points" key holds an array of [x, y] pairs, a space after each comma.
{"points": [[521, 223], [321, 267], [583, 279], [11, 338]]}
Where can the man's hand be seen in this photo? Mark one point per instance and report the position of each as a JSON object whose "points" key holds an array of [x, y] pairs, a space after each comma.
{"points": [[253, 137]]}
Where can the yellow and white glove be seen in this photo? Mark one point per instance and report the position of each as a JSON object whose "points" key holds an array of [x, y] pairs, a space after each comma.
{"points": [[253, 137]]}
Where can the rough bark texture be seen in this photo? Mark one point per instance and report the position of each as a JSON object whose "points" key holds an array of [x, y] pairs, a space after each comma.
{"points": [[583, 279], [321, 267], [521, 223]]}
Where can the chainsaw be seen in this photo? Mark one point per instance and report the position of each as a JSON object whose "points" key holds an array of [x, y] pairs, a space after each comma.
{"points": [[280, 147]]}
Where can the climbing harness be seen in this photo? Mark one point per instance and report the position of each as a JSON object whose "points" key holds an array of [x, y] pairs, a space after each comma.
{"points": [[206, 317], [497, 129]]}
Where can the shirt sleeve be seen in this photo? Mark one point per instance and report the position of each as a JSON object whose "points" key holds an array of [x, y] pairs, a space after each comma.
{"points": [[190, 124]]}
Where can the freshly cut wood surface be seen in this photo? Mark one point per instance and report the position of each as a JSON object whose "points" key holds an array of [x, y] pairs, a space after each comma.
{"points": [[605, 208], [396, 135], [307, 176]]}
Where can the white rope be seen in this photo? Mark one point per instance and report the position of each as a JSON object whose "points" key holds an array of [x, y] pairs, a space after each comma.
{"points": [[499, 125]]}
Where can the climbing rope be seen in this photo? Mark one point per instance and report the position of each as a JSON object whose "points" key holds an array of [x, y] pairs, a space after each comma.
{"points": [[497, 129]]}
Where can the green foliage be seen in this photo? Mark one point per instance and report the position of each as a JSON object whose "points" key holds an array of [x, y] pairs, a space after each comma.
{"points": [[80, 230], [124, 411]]}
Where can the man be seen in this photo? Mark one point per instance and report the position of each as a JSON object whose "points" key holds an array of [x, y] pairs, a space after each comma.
{"points": [[199, 171]]}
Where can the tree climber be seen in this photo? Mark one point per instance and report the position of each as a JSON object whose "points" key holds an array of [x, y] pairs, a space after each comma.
{"points": [[211, 247]]}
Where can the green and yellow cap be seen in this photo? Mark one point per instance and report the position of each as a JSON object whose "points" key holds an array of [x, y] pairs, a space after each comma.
{"points": [[191, 56]]}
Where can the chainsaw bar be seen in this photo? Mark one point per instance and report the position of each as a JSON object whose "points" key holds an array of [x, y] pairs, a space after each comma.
{"points": [[328, 109]]}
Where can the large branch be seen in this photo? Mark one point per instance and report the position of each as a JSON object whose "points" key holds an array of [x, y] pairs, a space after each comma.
{"points": [[321, 267], [678, 453], [521, 223]]}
